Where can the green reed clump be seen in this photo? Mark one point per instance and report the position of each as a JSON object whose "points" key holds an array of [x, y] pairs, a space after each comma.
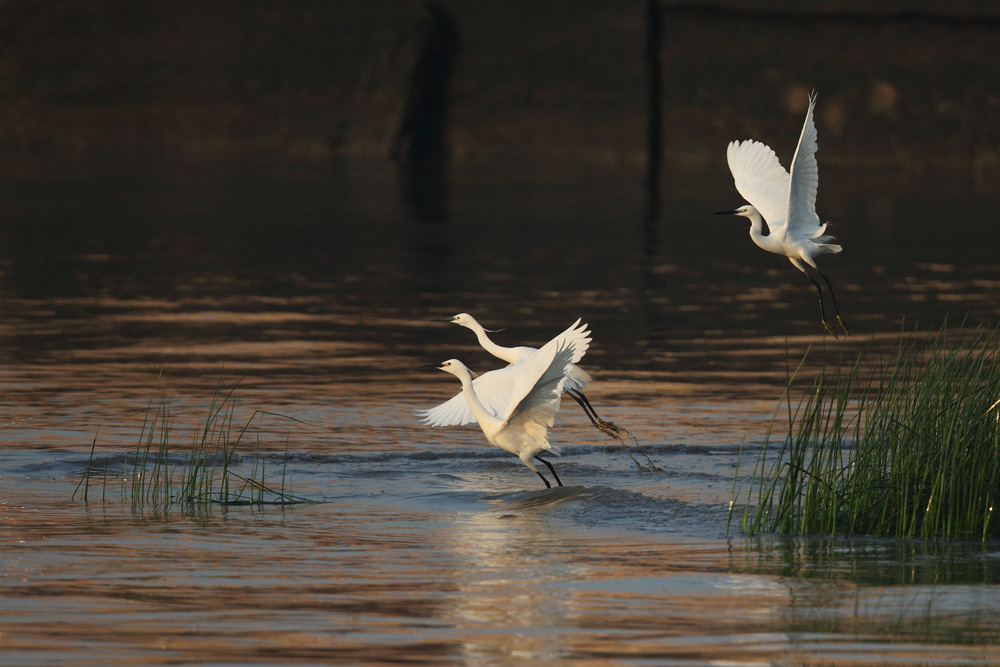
{"points": [[908, 446], [154, 475]]}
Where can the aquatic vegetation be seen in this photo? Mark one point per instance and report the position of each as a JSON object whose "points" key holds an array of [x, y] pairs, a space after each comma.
{"points": [[907, 446], [219, 466]]}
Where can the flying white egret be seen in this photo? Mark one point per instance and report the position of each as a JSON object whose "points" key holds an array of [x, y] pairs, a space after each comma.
{"points": [[787, 203], [521, 427], [576, 377]]}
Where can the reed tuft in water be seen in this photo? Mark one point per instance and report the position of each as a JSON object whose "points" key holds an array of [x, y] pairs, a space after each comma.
{"points": [[224, 464], [907, 446]]}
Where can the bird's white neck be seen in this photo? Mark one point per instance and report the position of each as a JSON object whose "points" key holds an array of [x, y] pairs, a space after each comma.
{"points": [[483, 416], [764, 241], [506, 353]]}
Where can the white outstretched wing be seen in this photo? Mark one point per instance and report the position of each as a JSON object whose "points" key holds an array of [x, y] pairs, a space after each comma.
{"points": [[577, 335], [535, 397], [760, 179], [804, 181], [570, 346], [493, 390]]}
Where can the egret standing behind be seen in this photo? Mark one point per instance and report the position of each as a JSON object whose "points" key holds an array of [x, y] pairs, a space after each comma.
{"points": [[787, 203]]}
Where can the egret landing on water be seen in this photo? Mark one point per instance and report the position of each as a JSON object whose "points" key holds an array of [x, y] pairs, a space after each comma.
{"points": [[521, 427], [494, 388], [787, 203], [576, 378]]}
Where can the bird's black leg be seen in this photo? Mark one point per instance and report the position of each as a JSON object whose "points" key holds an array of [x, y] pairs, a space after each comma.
{"points": [[551, 469], [588, 409], [822, 311], [547, 485], [608, 428], [836, 309]]}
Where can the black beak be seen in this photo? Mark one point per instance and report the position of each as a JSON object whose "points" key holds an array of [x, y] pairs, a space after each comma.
{"points": [[442, 319], [732, 212], [429, 366]]}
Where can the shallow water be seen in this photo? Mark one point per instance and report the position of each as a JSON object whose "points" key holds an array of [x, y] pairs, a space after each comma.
{"points": [[424, 545]]}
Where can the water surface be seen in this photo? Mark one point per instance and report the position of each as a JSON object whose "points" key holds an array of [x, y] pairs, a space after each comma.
{"points": [[317, 288]]}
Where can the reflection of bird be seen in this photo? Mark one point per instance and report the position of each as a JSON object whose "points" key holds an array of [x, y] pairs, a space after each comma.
{"points": [[576, 377], [521, 427], [787, 203]]}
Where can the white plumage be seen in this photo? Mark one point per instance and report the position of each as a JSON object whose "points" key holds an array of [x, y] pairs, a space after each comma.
{"points": [[532, 387], [576, 377], [787, 202], [494, 388]]}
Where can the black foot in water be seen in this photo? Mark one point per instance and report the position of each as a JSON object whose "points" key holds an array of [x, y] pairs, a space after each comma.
{"points": [[612, 430], [551, 469]]}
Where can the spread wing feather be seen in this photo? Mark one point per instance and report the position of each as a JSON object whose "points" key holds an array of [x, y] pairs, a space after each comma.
{"points": [[801, 215], [760, 179], [540, 402], [493, 390], [579, 336], [574, 341]]}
